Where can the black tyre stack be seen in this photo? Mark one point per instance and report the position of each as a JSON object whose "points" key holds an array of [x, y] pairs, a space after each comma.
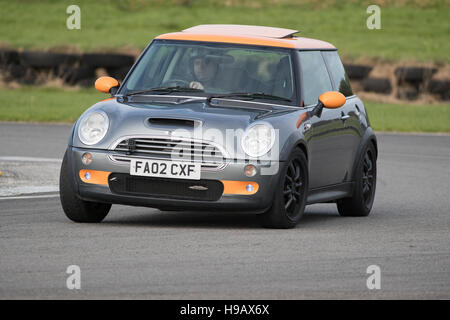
{"points": [[10, 66], [440, 88], [360, 75], [36, 67], [411, 81], [116, 65]]}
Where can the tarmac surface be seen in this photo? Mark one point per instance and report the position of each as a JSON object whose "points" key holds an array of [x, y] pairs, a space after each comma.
{"points": [[145, 253]]}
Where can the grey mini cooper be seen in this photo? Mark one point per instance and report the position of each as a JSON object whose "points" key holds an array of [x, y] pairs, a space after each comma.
{"points": [[224, 117]]}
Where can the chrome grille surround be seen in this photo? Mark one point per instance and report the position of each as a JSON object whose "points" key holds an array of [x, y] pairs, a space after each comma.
{"points": [[211, 155]]}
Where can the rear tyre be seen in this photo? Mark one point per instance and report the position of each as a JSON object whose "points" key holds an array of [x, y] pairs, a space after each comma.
{"points": [[361, 202], [290, 194], [76, 209]]}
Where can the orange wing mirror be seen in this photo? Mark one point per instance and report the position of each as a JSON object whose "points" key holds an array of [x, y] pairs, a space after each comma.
{"points": [[105, 84], [332, 99]]}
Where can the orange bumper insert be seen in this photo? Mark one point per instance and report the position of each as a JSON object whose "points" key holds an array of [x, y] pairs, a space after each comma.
{"points": [[95, 177], [239, 187]]}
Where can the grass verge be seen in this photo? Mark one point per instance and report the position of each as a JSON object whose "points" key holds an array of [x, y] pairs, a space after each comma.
{"points": [[409, 118], [32, 104], [58, 105], [416, 30]]}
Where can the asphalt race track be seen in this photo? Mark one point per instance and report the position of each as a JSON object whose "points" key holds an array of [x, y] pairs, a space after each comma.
{"points": [[145, 253]]}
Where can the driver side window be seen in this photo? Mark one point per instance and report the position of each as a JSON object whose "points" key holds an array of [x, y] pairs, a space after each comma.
{"points": [[315, 77]]}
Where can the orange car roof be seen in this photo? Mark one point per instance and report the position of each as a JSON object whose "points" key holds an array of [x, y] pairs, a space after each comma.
{"points": [[252, 35]]}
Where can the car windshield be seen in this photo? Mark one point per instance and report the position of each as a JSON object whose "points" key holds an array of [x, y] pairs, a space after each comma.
{"points": [[208, 69]]}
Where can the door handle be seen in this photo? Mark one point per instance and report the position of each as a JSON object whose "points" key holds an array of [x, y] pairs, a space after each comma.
{"points": [[306, 126], [343, 118], [358, 111]]}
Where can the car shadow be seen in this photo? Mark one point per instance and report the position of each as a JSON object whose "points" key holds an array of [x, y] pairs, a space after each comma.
{"points": [[188, 219], [205, 219], [318, 218]]}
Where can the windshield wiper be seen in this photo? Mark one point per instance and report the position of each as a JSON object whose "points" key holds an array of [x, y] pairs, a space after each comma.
{"points": [[249, 95], [164, 90]]}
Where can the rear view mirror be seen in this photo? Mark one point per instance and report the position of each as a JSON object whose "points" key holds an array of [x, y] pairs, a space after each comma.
{"points": [[107, 85], [332, 99]]}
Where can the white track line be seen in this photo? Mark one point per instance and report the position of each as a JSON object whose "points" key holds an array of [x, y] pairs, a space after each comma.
{"points": [[29, 159], [31, 197]]}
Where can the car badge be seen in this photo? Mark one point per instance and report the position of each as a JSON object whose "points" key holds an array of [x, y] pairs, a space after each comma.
{"points": [[200, 188]]}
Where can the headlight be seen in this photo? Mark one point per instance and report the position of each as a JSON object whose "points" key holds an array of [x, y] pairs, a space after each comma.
{"points": [[93, 127], [258, 139]]}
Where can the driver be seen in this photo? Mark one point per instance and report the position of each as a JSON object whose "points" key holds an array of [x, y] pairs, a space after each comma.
{"points": [[205, 71]]}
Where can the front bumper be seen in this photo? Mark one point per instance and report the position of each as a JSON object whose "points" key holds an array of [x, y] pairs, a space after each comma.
{"points": [[234, 171]]}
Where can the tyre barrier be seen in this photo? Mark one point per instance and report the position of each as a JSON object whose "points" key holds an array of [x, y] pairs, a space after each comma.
{"points": [[73, 75], [440, 88], [414, 74], [8, 57], [38, 59], [118, 73], [407, 93], [16, 71], [355, 71], [35, 67], [100, 60], [378, 85]]}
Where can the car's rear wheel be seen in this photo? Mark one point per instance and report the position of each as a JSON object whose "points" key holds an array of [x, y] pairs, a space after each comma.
{"points": [[76, 209], [361, 202], [290, 195]]}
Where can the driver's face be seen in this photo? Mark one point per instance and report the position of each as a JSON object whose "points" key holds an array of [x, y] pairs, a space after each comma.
{"points": [[204, 68]]}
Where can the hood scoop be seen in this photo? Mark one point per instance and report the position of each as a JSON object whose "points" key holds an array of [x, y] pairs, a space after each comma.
{"points": [[173, 122]]}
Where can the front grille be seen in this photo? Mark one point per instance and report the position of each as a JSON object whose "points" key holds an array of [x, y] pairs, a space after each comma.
{"points": [[176, 149], [206, 190]]}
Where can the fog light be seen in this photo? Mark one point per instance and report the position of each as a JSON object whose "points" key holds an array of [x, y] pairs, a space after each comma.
{"points": [[250, 170], [86, 158], [249, 188], [87, 175]]}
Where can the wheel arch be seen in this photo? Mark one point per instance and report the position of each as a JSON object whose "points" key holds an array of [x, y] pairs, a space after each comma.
{"points": [[72, 132], [301, 145], [368, 137], [373, 140], [295, 140]]}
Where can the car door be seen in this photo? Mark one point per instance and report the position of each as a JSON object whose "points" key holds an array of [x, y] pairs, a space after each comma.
{"points": [[327, 143], [350, 112]]}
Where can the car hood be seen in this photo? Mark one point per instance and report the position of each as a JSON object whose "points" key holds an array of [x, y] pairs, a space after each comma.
{"points": [[132, 119]]}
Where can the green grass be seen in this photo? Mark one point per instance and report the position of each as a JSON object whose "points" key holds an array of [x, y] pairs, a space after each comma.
{"points": [[417, 30], [409, 118], [58, 105], [46, 104]]}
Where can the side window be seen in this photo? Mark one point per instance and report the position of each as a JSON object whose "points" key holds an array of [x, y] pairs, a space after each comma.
{"points": [[340, 79], [315, 76]]}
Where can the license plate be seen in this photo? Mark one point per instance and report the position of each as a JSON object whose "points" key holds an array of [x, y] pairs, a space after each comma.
{"points": [[165, 169]]}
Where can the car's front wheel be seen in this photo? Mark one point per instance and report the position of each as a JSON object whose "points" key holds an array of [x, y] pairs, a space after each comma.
{"points": [[290, 194], [76, 209], [361, 202]]}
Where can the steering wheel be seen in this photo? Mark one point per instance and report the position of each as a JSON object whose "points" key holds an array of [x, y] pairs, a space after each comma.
{"points": [[176, 82]]}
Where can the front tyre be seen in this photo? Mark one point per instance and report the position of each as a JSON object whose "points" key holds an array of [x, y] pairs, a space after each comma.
{"points": [[290, 194], [360, 204], [76, 209]]}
